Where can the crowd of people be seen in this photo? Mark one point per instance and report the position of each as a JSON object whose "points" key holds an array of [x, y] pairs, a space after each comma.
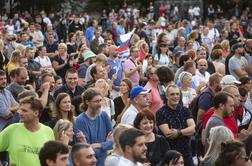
{"points": [[179, 92]]}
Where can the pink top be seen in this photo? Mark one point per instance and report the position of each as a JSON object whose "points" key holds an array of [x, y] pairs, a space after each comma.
{"points": [[155, 98], [128, 66]]}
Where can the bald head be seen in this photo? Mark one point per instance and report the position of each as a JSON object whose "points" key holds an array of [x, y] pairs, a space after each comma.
{"points": [[249, 43], [112, 51], [202, 66], [234, 91]]}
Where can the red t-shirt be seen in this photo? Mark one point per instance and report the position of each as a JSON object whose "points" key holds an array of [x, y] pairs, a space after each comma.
{"points": [[230, 122]]}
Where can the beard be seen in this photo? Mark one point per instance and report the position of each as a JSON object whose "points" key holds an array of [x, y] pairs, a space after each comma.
{"points": [[139, 158], [225, 114], [218, 88]]}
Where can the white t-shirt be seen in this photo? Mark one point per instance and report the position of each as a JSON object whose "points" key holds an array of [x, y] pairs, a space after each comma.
{"points": [[10, 29], [44, 61], [126, 162], [196, 11]]}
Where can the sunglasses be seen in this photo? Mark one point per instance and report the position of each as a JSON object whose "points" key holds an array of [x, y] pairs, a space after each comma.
{"points": [[163, 45]]}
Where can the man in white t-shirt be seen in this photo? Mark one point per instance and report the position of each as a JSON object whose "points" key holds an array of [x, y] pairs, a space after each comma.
{"points": [[132, 142], [139, 100]]}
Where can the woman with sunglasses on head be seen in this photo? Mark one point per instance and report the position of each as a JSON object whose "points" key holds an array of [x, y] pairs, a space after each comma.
{"points": [[162, 57], [233, 154]]}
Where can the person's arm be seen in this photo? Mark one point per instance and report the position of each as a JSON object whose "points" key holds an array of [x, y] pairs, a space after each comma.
{"points": [[233, 66], [240, 73], [56, 65], [200, 115], [190, 129], [45, 90], [129, 72]]}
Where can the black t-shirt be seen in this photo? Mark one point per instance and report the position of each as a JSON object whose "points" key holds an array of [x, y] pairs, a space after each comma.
{"points": [[119, 105], [46, 115], [176, 119], [61, 72], [156, 150]]}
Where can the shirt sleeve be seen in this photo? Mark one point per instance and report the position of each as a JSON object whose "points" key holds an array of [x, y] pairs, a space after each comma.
{"points": [[160, 117], [205, 101]]}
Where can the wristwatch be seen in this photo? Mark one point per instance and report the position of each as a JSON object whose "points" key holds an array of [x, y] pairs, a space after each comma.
{"points": [[179, 133]]}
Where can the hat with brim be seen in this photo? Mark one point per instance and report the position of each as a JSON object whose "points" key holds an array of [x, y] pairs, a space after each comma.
{"points": [[88, 54], [138, 90], [229, 80]]}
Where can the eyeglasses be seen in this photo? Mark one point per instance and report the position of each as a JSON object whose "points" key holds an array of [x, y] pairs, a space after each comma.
{"points": [[96, 101], [163, 45]]}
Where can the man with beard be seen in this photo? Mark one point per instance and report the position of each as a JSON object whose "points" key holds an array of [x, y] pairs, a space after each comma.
{"points": [[7, 102], [224, 107], [132, 142], [201, 75], [95, 125], [83, 155], [248, 55], [205, 98], [238, 64]]}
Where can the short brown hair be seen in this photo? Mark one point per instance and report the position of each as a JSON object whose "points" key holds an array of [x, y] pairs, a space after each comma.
{"points": [[35, 103], [141, 115]]}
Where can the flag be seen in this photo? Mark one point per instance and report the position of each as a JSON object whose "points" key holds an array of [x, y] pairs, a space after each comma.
{"points": [[123, 49]]}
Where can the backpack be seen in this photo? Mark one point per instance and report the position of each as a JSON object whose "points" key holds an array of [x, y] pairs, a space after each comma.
{"points": [[197, 142]]}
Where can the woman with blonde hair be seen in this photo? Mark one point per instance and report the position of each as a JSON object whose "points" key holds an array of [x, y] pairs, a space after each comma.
{"points": [[225, 48], [188, 93], [61, 61], [113, 158], [218, 135], [63, 132], [107, 104], [192, 37], [14, 61]]}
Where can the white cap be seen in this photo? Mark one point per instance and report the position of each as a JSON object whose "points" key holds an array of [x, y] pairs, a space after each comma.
{"points": [[229, 80]]}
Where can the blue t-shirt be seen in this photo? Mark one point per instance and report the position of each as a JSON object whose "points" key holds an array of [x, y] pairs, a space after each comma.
{"points": [[116, 68], [96, 131], [206, 99]]}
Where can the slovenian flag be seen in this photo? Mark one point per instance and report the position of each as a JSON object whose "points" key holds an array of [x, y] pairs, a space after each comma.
{"points": [[123, 49]]}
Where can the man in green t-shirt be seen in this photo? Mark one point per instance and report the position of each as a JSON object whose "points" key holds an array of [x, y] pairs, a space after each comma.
{"points": [[24, 140]]}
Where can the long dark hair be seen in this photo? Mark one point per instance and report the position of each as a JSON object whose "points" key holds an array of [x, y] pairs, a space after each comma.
{"points": [[171, 156], [59, 98]]}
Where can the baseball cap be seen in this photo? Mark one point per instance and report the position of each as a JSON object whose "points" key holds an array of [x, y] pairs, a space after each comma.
{"points": [[138, 90], [229, 80], [88, 54]]}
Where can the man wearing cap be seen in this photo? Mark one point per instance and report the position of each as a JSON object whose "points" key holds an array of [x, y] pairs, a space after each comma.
{"points": [[139, 100], [229, 80], [238, 64], [89, 58]]}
